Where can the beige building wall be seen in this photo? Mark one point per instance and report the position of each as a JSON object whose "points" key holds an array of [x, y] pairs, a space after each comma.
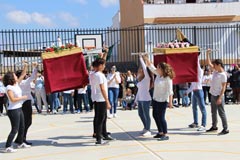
{"points": [[131, 16], [134, 14]]}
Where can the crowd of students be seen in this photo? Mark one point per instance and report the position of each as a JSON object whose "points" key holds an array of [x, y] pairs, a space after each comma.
{"points": [[103, 93]]}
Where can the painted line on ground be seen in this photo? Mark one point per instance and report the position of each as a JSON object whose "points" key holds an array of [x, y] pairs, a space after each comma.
{"points": [[138, 142]]}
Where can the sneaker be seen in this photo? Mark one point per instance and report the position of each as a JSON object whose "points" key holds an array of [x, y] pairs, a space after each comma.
{"points": [[157, 136], [23, 145], [28, 143], [143, 131], [147, 133], [109, 138], [163, 138], [115, 115], [212, 129], [101, 143], [201, 128], [110, 116], [54, 111], [193, 125], [224, 131], [10, 150]]}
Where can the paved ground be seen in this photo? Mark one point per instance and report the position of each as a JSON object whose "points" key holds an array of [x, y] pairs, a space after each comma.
{"points": [[69, 136]]}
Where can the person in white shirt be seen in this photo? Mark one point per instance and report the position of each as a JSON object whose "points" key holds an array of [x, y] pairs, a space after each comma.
{"points": [[198, 99], [206, 81], [25, 86], [2, 96], [15, 113], [130, 81], [143, 97], [162, 95], [99, 96], [217, 89], [113, 90], [40, 91], [68, 99], [82, 97]]}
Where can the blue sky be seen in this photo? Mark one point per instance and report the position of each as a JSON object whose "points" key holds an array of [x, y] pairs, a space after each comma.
{"points": [[44, 14]]}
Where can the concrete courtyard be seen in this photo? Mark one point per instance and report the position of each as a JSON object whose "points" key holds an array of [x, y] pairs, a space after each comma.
{"points": [[68, 136]]}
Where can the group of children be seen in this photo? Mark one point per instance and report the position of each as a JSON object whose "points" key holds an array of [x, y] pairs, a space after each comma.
{"points": [[18, 91]]}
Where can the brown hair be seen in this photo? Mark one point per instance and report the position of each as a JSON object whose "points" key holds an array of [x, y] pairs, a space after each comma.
{"points": [[167, 70], [9, 79], [218, 62]]}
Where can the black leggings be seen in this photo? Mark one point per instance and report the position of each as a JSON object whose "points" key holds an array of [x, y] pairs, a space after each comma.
{"points": [[17, 122], [206, 93], [100, 120], [159, 110], [1, 104], [27, 112]]}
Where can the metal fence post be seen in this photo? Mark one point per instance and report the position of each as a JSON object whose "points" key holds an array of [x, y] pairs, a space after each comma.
{"points": [[13, 47]]}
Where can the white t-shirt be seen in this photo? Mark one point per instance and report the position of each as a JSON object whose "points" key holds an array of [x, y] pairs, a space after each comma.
{"points": [[25, 85], [82, 90], [113, 83], [96, 79], [197, 85], [17, 92], [143, 93], [2, 89], [163, 86], [68, 91], [216, 84], [206, 81]]}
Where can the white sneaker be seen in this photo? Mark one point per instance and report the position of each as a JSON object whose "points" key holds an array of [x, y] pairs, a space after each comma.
{"points": [[201, 128], [10, 150], [147, 133], [54, 111], [143, 131], [110, 116], [23, 145], [115, 115]]}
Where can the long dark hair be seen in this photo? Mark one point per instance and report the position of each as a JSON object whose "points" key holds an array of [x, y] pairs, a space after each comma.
{"points": [[9, 79], [151, 77]]}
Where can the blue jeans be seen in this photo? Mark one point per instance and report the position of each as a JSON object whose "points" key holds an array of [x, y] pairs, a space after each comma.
{"points": [[159, 111], [126, 104], [67, 99], [185, 100], [82, 98], [55, 101], [198, 99], [143, 112], [113, 98]]}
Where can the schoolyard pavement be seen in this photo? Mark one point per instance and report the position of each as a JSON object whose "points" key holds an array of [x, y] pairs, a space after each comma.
{"points": [[69, 136]]}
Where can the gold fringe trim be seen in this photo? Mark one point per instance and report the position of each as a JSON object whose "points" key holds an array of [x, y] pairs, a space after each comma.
{"points": [[191, 49], [49, 55]]}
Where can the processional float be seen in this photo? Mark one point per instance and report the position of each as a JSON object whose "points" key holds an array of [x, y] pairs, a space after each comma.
{"points": [[181, 54]]}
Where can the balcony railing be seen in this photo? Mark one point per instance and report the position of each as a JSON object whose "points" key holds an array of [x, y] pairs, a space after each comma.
{"points": [[185, 1]]}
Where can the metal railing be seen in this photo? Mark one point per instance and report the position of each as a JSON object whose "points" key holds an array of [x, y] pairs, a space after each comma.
{"points": [[184, 1], [18, 45]]}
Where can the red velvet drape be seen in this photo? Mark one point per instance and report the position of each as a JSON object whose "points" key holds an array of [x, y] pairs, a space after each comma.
{"points": [[66, 72], [184, 65]]}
